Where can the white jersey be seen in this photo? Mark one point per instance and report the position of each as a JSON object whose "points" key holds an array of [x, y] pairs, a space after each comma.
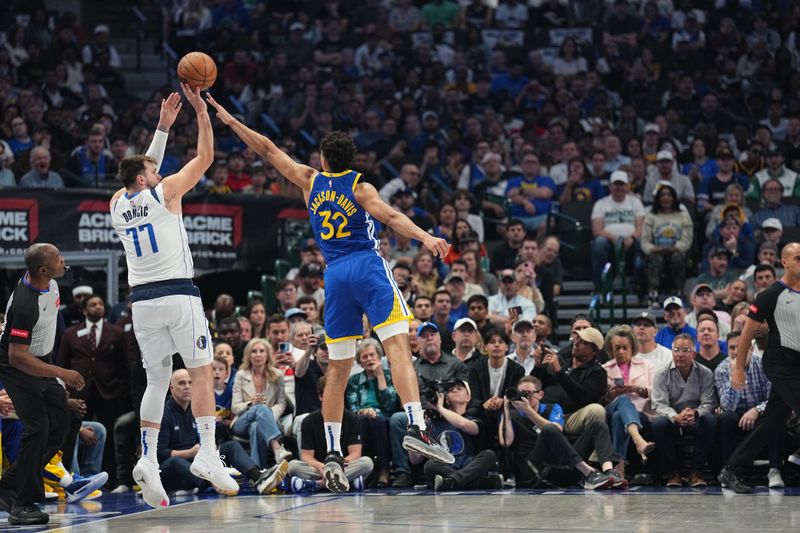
{"points": [[155, 241]]}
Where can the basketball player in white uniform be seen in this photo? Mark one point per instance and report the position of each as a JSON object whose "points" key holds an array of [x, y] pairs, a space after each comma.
{"points": [[166, 307]]}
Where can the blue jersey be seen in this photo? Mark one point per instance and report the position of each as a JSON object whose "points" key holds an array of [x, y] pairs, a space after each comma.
{"points": [[341, 226]]}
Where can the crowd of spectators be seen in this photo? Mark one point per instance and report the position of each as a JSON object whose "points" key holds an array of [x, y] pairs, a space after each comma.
{"points": [[674, 125]]}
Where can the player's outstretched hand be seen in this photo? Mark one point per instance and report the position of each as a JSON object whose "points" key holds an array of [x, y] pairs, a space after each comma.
{"points": [[193, 95], [222, 113], [170, 107], [438, 247]]}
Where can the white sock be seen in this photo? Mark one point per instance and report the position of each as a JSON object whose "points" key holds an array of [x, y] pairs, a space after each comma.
{"points": [[150, 443], [333, 436], [416, 417], [206, 426]]}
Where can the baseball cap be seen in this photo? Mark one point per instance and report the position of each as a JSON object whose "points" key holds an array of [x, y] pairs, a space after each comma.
{"points": [[508, 278], [310, 269], [82, 289], [645, 316], [652, 128], [772, 223], [405, 191], [522, 323], [701, 287], [466, 320], [297, 26], [664, 155], [428, 114], [773, 150], [427, 325], [101, 28], [718, 250], [673, 300], [454, 278], [618, 176], [295, 311], [592, 336], [463, 383]]}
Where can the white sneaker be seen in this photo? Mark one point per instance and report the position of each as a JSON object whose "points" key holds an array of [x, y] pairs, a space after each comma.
{"points": [[282, 454], [121, 489], [146, 475], [775, 481], [211, 468], [272, 477], [795, 457]]}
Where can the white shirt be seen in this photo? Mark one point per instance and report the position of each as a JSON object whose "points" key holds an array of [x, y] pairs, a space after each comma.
{"points": [[499, 304], [496, 378], [527, 364], [98, 331], [619, 218], [660, 358]]}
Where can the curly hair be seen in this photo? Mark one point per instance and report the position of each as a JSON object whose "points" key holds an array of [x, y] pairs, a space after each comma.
{"points": [[339, 150]]}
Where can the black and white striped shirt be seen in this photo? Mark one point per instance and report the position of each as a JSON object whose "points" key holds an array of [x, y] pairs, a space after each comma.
{"points": [[31, 317]]}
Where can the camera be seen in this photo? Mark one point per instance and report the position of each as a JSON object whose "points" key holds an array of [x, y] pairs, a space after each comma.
{"points": [[429, 391], [284, 347], [513, 394]]}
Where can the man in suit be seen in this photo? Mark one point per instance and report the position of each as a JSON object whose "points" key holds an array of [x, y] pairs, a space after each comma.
{"points": [[95, 348]]}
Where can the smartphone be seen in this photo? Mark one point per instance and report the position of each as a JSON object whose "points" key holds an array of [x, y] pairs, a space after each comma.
{"points": [[284, 347], [516, 310], [619, 382]]}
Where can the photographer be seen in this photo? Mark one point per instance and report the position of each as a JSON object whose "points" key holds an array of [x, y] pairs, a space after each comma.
{"points": [[462, 431], [431, 365], [493, 375], [532, 429]]}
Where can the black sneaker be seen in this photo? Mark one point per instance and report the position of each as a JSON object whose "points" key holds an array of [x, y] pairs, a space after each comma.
{"points": [[597, 480], [421, 442], [6, 503], [333, 473], [441, 483], [27, 515], [729, 479], [618, 480], [402, 480]]}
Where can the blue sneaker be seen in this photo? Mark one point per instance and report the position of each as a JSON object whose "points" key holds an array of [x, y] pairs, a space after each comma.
{"points": [[303, 486], [81, 487], [358, 484], [285, 485]]}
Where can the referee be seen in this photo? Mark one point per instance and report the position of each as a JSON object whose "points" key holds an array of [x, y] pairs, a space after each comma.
{"points": [[39, 399], [779, 306]]}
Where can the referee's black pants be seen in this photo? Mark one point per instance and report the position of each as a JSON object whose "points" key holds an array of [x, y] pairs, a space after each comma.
{"points": [[41, 404], [784, 397]]}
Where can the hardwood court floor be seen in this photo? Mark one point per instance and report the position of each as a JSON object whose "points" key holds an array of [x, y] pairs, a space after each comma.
{"points": [[637, 510]]}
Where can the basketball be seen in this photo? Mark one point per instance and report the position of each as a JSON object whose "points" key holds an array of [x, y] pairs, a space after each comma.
{"points": [[197, 69]]}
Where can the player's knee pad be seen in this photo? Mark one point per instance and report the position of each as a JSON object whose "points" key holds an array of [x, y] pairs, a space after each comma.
{"points": [[345, 349], [153, 400]]}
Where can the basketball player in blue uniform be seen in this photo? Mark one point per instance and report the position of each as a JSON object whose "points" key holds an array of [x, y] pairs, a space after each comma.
{"points": [[166, 308], [342, 210]]}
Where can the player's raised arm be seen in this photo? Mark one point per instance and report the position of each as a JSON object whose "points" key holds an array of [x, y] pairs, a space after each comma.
{"points": [[180, 183], [368, 198], [170, 107], [295, 172]]}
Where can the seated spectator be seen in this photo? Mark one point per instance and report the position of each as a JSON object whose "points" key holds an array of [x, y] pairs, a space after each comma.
{"points": [[683, 396], [718, 276], [492, 375], [772, 194], [645, 327], [507, 304], [7, 178], [40, 176], [219, 181], [709, 353], [524, 354], [533, 431], [465, 338], [431, 365], [734, 198], [766, 257], [478, 311], [286, 294], [259, 400], [675, 316], [476, 274], [580, 186], [178, 443], [306, 473], [87, 458], [704, 299], [464, 203], [772, 231], [665, 172], [616, 220], [425, 275], [667, 236], [701, 168], [775, 170], [630, 380], [736, 293], [229, 330], [92, 162], [525, 272], [473, 465], [732, 235], [531, 194], [459, 268], [712, 190], [223, 391], [506, 253], [309, 280], [372, 397], [742, 408]]}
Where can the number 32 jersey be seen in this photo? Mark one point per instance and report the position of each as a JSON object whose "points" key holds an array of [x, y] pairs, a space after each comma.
{"points": [[341, 226], [155, 241]]}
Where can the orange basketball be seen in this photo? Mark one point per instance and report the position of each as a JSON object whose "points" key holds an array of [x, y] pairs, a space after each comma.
{"points": [[197, 69]]}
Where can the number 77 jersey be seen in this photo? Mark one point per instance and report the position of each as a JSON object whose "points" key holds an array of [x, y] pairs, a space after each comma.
{"points": [[341, 226], [155, 241]]}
